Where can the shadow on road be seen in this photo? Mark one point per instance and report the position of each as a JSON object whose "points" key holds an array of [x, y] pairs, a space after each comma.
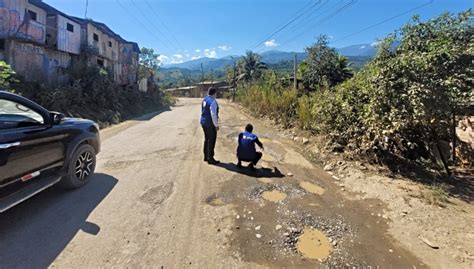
{"points": [[36, 231], [258, 173]]}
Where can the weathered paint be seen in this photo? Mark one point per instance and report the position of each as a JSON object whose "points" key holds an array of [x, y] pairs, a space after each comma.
{"points": [[37, 63], [128, 64], [68, 41], [13, 24]]}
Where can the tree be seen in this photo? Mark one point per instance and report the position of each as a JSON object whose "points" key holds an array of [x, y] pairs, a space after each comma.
{"points": [[250, 66], [325, 67], [149, 59], [6, 75]]}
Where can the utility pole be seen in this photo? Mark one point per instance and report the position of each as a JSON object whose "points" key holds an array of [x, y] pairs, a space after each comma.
{"points": [[295, 80], [85, 13], [212, 77], [233, 82], [202, 80]]}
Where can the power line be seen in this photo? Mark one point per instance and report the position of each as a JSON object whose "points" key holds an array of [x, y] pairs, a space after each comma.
{"points": [[328, 17], [297, 15], [311, 17], [143, 25], [384, 21], [151, 23], [164, 24]]}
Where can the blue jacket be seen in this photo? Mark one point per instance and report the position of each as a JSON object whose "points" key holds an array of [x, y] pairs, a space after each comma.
{"points": [[246, 148], [206, 115]]}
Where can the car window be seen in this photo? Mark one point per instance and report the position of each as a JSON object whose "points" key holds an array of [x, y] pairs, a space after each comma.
{"points": [[15, 115]]}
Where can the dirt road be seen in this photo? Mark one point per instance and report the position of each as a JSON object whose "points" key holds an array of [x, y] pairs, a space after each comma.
{"points": [[155, 203]]}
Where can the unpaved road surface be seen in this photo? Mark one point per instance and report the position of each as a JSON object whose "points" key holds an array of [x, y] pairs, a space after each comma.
{"points": [[154, 203]]}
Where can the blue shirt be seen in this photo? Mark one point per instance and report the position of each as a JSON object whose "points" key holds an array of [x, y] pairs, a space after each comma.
{"points": [[209, 112], [246, 148]]}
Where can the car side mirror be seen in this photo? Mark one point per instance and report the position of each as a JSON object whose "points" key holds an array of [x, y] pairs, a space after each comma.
{"points": [[57, 117]]}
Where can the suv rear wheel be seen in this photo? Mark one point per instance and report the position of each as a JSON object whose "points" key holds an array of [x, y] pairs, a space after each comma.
{"points": [[81, 167]]}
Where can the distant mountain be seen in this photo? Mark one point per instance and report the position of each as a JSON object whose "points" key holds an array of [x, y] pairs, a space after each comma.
{"points": [[276, 56], [207, 64], [359, 54], [359, 50]]}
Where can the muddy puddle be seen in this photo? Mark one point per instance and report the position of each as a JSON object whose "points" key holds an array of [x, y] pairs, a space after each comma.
{"points": [[265, 180], [313, 244], [273, 196], [214, 200], [312, 188]]}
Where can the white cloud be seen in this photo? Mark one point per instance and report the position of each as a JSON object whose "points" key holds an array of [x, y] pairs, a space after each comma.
{"points": [[177, 58], [187, 55], [196, 57], [330, 36], [271, 43], [211, 53], [224, 47], [163, 59], [362, 47], [374, 44], [198, 50]]}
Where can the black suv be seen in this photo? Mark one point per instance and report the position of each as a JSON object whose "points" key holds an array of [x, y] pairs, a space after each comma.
{"points": [[39, 148]]}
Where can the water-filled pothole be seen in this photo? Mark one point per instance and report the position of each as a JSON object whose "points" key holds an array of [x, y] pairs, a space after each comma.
{"points": [[273, 196], [313, 244], [214, 200], [265, 180], [312, 188]]}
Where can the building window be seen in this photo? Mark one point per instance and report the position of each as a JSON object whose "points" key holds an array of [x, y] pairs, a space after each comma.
{"points": [[2, 44], [96, 37], [32, 15], [110, 44], [70, 27], [100, 62]]}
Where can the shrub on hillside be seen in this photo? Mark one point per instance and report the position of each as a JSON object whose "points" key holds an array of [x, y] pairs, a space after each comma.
{"points": [[94, 96], [402, 102]]}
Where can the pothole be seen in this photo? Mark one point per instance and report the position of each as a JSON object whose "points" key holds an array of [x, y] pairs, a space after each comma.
{"points": [[265, 180], [158, 194], [312, 188], [215, 200], [313, 244], [273, 196]]}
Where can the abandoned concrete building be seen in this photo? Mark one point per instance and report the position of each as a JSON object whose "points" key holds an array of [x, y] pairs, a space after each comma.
{"points": [[40, 42]]}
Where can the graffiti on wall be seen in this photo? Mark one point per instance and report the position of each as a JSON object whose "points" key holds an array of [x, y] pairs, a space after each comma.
{"points": [[11, 24]]}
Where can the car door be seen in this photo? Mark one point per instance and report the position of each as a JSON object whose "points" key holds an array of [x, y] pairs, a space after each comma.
{"points": [[27, 143]]}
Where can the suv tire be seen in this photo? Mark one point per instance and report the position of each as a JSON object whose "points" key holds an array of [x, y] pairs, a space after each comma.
{"points": [[81, 167]]}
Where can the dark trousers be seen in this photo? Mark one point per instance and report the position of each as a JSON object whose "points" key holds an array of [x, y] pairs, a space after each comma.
{"points": [[258, 156], [210, 135]]}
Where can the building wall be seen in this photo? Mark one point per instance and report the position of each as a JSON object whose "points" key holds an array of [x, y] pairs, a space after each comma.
{"points": [[127, 69], [37, 63], [12, 21], [68, 41], [112, 53]]}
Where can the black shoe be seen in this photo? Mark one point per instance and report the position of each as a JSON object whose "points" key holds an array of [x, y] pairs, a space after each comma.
{"points": [[205, 159], [212, 161], [239, 165], [251, 166]]}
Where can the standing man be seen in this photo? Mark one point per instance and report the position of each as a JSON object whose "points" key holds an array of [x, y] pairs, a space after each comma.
{"points": [[210, 124]]}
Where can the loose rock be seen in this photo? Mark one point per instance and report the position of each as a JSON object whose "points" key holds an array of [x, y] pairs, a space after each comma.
{"points": [[258, 235]]}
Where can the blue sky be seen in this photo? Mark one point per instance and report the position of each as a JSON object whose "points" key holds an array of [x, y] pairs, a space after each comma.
{"points": [[182, 30]]}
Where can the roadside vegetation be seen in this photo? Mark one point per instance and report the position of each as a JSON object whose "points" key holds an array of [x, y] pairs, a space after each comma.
{"points": [[91, 93], [396, 109]]}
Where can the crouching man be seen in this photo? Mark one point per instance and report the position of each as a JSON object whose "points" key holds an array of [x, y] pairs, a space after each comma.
{"points": [[246, 149]]}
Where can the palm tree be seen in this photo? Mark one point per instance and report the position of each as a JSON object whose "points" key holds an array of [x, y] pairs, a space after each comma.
{"points": [[251, 67], [343, 69]]}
